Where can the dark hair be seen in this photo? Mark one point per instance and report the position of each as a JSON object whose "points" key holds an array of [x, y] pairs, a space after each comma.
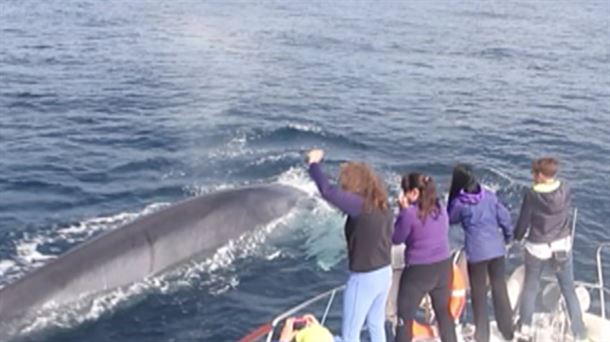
{"points": [[427, 203], [547, 166], [359, 178], [463, 178]]}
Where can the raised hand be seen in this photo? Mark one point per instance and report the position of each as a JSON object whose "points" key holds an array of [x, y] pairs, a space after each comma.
{"points": [[403, 201], [314, 156]]}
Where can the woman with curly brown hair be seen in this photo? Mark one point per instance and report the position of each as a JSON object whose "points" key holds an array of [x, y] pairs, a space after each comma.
{"points": [[362, 197]]}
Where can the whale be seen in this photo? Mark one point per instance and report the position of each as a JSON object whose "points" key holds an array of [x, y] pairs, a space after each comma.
{"points": [[146, 247]]}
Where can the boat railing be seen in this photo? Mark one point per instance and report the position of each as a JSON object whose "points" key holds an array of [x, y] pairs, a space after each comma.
{"points": [[600, 276]]}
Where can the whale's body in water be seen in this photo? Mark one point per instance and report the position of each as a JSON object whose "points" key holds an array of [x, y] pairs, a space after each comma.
{"points": [[147, 246]]}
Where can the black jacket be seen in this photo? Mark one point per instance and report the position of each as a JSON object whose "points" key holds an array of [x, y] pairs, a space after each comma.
{"points": [[545, 212]]}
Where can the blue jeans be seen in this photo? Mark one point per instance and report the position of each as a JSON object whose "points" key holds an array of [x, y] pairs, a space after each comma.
{"points": [[564, 271], [364, 299]]}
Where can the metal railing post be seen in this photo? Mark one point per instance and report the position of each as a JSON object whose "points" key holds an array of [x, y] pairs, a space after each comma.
{"points": [[328, 305], [600, 277], [574, 219]]}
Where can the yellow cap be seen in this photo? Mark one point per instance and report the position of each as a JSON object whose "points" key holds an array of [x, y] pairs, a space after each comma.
{"points": [[314, 333]]}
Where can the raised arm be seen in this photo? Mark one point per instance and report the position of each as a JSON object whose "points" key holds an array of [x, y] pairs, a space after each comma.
{"points": [[523, 223], [348, 202], [402, 227]]}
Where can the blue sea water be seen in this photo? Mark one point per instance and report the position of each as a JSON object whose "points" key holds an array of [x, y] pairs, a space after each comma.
{"points": [[112, 109]]}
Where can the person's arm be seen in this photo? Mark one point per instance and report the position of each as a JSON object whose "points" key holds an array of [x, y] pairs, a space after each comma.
{"points": [[523, 223], [455, 212], [288, 332], [504, 221], [311, 319], [402, 227], [348, 202]]}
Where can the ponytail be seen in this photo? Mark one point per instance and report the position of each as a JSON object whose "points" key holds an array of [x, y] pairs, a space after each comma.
{"points": [[427, 203]]}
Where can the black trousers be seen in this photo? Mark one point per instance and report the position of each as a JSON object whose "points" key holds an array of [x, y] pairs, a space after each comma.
{"points": [[478, 272], [415, 282]]}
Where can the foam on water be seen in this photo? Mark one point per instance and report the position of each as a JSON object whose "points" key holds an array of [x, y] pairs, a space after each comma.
{"points": [[6, 266], [298, 178], [324, 235], [198, 189], [28, 254], [276, 157], [235, 147], [305, 127]]}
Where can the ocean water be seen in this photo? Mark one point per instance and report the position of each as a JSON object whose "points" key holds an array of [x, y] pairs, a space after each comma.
{"points": [[112, 109]]}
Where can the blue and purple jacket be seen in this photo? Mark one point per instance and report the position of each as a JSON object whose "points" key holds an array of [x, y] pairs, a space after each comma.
{"points": [[486, 223]]}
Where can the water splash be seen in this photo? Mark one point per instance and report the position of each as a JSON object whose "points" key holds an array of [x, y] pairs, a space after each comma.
{"points": [[305, 128], [324, 235]]}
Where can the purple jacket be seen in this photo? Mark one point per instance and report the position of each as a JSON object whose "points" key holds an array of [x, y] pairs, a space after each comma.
{"points": [[486, 222], [427, 241], [348, 202]]}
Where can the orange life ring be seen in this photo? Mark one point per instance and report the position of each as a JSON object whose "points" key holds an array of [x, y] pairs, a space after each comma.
{"points": [[456, 305]]}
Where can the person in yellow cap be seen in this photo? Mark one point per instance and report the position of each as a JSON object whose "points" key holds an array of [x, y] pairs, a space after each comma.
{"points": [[313, 331]]}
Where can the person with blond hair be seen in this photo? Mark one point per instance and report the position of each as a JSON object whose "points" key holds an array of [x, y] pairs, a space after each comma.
{"points": [[304, 329]]}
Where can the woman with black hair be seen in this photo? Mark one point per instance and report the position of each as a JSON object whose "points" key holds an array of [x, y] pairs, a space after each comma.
{"points": [[487, 228]]}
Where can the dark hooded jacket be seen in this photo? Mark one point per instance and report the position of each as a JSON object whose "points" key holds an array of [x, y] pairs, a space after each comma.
{"points": [[545, 212]]}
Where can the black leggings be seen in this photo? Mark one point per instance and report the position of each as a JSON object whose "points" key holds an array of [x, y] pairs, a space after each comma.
{"points": [[477, 272], [415, 282]]}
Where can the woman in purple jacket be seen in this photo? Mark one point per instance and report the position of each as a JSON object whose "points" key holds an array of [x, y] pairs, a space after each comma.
{"points": [[487, 228], [423, 226]]}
